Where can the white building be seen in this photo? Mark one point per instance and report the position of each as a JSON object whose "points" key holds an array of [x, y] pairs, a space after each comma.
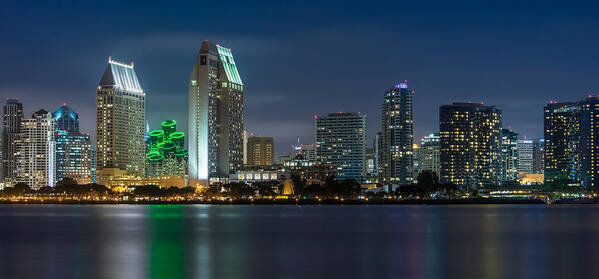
{"points": [[35, 152]]}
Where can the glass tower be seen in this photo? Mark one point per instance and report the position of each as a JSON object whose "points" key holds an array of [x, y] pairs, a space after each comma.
{"points": [[12, 118], [397, 133]]}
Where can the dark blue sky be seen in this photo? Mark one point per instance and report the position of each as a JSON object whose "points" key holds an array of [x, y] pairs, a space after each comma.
{"points": [[300, 58]]}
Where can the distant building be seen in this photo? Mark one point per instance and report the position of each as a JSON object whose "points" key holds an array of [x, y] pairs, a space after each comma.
{"points": [[260, 151], [509, 156], [470, 144], [11, 128], [538, 150], [429, 154], [120, 120], [73, 149], [35, 151], [340, 140], [166, 153], [589, 135], [525, 156], [562, 139], [215, 115], [397, 133]]}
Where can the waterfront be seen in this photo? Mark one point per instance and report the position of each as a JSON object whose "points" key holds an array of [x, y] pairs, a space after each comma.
{"points": [[288, 241]]}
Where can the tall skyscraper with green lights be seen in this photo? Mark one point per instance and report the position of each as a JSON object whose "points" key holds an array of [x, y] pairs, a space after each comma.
{"points": [[215, 115], [120, 120]]}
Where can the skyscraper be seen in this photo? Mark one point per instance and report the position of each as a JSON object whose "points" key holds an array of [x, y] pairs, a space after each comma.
{"points": [[509, 156], [66, 119], [73, 149], [470, 144], [538, 150], [260, 151], [341, 140], [12, 118], [215, 115], [526, 156], [120, 120], [589, 142], [35, 151], [562, 139], [428, 154], [397, 135]]}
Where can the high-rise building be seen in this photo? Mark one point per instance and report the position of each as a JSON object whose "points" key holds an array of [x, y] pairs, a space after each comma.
{"points": [[397, 135], [470, 144], [12, 118], [35, 151], [73, 149], [562, 141], [538, 150], [377, 154], [246, 135], [526, 156], [429, 154], [166, 154], [66, 119], [341, 140], [215, 115], [73, 157], [509, 156], [589, 142], [120, 120], [260, 151]]}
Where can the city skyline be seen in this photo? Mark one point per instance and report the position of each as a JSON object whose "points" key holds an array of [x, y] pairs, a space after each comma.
{"points": [[277, 63]]}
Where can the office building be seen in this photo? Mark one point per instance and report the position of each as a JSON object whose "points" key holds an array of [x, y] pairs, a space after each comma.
{"points": [[429, 154], [397, 135], [562, 142], [73, 149], [11, 128], [215, 115], [340, 140], [538, 150], [35, 151], [589, 142], [260, 151], [470, 142], [120, 120], [509, 156], [526, 156]]}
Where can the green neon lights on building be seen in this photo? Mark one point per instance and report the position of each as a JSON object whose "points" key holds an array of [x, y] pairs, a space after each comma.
{"points": [[229, 65], [166, 142]]}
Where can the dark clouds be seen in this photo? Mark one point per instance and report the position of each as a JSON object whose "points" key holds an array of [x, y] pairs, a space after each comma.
{"points": [[298, 58]]}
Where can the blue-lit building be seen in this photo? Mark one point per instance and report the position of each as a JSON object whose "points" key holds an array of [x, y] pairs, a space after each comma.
{"points": [[341, 141], [66, 119], [73, 149]]}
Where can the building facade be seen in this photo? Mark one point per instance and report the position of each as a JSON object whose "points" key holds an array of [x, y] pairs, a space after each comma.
{"points": [[341, 141], [35, 151], [562, 142], [166, 152], [11, 128], [397, 135], [470, 144], [260, 151], [525, 156], [120, 120], [429, 154], [73, 149], [215, 115], [589, 142], [509, 156]]}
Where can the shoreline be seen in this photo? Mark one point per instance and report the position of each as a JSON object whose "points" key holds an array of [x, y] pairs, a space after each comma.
{"points": [[479, 201]]}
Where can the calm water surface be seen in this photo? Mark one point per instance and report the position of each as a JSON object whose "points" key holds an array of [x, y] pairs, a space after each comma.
{"points": [[207, 241]]}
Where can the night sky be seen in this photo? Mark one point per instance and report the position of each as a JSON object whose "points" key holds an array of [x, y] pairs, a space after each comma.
{"points": [[301, 58]]}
